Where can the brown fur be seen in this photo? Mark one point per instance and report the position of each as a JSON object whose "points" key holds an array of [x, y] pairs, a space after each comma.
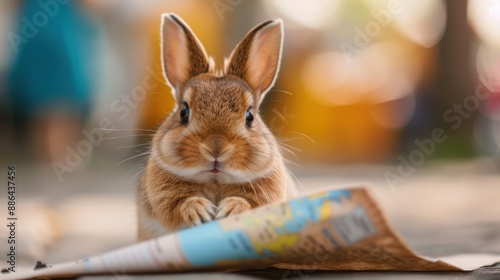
{"points": [[177, 191]]}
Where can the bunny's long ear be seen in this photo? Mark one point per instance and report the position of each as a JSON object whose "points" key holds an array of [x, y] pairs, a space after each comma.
{"points": [[257, 57], [183, 55]]}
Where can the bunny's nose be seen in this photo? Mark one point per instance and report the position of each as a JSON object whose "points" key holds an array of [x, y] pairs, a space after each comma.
{"points": [[215, 145]]}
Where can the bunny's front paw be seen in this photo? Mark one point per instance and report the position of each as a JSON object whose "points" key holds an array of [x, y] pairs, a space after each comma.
{"points": [[231, 206], [197, 210]]}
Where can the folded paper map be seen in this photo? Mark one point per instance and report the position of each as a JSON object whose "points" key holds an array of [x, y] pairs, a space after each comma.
{"points": [[330, 230]]}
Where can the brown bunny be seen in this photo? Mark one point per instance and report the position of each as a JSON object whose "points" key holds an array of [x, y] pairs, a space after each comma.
{"points": [[213, 156]]}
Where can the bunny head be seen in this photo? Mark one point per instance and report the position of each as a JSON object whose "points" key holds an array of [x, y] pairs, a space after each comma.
{"points": [[215, 133]]}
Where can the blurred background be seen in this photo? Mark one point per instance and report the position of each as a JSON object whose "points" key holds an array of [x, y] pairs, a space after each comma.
{"points": [[403, 95]]}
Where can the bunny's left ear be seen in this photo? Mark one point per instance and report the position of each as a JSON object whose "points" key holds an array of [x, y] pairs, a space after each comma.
{"points": [[257, 57]]}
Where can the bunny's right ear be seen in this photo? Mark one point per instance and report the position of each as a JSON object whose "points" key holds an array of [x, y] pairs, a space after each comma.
{"points": [[257, 57], [183, 56]]}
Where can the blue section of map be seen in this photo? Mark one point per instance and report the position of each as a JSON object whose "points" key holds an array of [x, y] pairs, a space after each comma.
{"points": [[307, 210], [208, 244]]}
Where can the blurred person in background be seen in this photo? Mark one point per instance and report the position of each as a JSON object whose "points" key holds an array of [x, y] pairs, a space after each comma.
{"points": [[50, 80]]}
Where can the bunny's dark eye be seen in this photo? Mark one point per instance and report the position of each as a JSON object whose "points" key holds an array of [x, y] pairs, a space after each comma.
{"points": [[185, 113], [249, 117]]}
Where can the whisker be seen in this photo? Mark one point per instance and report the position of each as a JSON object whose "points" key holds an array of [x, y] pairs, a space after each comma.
{"points": [[132, 157], [125, 129], [276, 112], [281, 90], [296, 179], [140, 172], [289, 151], [284, 140], [291, 147], [291, 162], [132, 169], [133, 146], [125, 136], [300, 133]]}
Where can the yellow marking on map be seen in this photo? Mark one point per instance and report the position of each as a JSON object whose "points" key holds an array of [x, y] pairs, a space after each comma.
{"points": [[325, 211], [278, 244]]}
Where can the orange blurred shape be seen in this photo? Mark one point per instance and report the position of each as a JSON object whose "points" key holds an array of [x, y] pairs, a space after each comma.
{"points": [[355, 110]]}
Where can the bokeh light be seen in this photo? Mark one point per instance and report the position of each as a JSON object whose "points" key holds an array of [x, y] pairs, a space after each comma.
{"points": [[484, 16], [318, 15], [422, 21], [488, 66], [377, 75]]}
